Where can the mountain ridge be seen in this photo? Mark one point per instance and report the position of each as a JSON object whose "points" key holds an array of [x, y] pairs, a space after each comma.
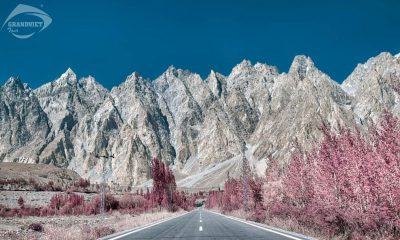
{"points": [[202, 127]]}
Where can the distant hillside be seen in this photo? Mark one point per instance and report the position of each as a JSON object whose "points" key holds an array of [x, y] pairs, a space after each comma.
{"points": [[23, 175]]}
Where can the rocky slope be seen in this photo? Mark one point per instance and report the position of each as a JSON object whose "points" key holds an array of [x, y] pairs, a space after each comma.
{"points": [[375, 86], [203, 128], [42, 174]]}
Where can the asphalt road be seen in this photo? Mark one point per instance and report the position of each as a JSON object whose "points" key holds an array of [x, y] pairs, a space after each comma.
{"points": [[202, 224]]}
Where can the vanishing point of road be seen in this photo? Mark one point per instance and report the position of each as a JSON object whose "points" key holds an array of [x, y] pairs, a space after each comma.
{"points": [[203, 224]]}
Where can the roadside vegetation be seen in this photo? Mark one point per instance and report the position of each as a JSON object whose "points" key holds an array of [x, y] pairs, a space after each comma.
{"points": [[161, 199], [346, 188]]}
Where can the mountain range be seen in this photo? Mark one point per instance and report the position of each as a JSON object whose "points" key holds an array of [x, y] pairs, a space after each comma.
{"points": [[202, 128]]}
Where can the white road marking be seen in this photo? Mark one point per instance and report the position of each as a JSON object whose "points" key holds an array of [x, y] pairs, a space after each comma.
{"points": [[201, 220], [200, 228], [257, 226], [145, 227]]}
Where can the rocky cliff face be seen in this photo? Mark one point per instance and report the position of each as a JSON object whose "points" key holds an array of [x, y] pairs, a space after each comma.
{"points": [[24, 126], [203, 128], [375, 86]]}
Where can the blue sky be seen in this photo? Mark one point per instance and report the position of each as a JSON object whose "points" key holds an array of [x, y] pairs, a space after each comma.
{"points": [[111, 39]]}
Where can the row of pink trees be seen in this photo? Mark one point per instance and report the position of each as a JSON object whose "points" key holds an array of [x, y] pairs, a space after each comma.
{"points": [[348, 185]]}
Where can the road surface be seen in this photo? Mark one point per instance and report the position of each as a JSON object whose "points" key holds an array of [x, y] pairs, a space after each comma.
{"points": [[202, 224]]}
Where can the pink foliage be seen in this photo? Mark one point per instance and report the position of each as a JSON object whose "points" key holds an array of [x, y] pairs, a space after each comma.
{"points": [[348, 184], [232, 198], [164, 185], [159, 183]]}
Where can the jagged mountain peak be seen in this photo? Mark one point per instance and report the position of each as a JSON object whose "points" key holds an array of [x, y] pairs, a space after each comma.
{"points": [[301, 66], [244, 64], [69, 74], [245, 68], [14, 82], [214, 75], [383, 56], [134, 75], [134, 78], [379, 60], [173, 72], [200, 126], [384, 67], [217, 83], [135, 82], [69, 71], [14, 86], [89, 81], [375, 85], [266, 69]]}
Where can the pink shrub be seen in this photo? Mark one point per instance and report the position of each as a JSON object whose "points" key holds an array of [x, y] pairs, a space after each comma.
{"points": [[82, 183], [46, 211], [131, 203], [66, 204], [93, 206]]}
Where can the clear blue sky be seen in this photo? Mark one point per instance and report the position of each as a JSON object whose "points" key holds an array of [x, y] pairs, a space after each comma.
{"points": [[111, 39]]}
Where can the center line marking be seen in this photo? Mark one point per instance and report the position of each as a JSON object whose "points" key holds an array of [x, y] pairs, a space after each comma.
{"points": [[201, 220], [200, 228]]}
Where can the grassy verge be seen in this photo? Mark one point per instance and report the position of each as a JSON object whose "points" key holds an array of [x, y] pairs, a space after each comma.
{"points": [[77, 228]]}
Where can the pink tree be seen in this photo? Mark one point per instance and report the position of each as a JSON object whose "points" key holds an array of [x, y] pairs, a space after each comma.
{"points": [[158, 173]]}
